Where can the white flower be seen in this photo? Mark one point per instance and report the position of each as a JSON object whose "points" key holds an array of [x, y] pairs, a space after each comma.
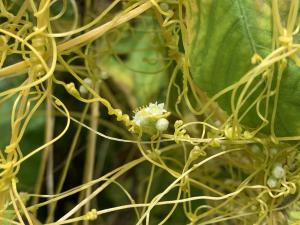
{"points": [[153, 110], [152, 118], [278, 171], [82, 89], [138, 117], [162, 124], [272, 182]]}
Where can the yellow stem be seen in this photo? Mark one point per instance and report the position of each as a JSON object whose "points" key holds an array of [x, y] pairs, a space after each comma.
{"points": [[91, 150]]}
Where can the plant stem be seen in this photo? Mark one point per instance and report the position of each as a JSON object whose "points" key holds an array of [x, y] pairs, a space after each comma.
{"points": [[50, 123], [67, 164], [91, 150], [99, 31]]}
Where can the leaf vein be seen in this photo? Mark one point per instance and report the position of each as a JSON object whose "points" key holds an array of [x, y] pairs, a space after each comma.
{"points": [[246, 26]]}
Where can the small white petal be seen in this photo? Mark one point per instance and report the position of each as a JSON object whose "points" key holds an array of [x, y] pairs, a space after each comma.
{"points": [[82, 89], [278, 171], [137, 119], [272, 182], [88, 81], [162, 124], [273, 151], [255, 149], [164, 6]]}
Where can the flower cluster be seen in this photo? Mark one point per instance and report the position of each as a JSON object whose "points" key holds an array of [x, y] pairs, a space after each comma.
{"points": [[152, 118]]}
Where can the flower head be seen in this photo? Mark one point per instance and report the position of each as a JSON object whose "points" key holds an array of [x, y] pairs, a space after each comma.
{"points": [[146, 117]]}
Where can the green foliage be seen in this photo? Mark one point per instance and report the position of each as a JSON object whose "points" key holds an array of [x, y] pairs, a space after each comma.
{"points": [[225, 36], [149, 112]]}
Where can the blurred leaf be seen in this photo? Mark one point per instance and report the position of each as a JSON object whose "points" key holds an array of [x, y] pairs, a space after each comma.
{"points": [[32, 139], [144, 63]]}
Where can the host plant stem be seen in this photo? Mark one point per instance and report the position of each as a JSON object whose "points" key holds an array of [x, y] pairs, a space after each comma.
{"points": [[91, 150]]}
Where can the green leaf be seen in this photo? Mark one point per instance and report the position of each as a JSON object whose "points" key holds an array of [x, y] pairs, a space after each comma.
{"points": [[32, 139], [225, 35]]}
